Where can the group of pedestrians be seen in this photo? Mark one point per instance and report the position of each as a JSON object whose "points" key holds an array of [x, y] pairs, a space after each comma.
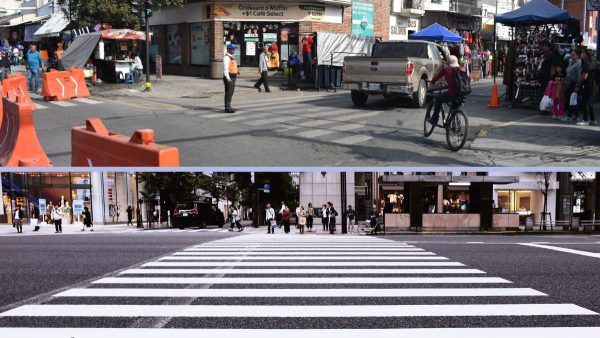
{"points": [[234, 218], [54, 215]]}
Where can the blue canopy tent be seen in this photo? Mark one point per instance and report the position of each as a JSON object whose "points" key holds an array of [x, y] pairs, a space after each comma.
{"points": [[436, 32], [536, 12]]}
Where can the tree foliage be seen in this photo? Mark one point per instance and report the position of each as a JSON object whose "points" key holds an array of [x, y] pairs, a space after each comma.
{"points": [[117, 13], [172, 187]]}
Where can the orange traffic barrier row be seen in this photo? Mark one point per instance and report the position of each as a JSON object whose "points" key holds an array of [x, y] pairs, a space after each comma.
{"points": [[19, 144], [16, 85], [94, 145], [64, 85]]}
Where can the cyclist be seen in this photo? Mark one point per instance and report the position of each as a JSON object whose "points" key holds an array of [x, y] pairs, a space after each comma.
{"points": [[450, 94]]}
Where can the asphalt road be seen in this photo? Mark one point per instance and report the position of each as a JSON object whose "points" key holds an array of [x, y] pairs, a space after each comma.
{"points": [[292, 285], [320, 129]]}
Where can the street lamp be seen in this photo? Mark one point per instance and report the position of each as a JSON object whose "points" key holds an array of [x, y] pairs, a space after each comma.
{"points": [[137, 8]]}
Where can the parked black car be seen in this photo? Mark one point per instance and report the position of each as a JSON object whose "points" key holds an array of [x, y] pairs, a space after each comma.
{"points": [[200, 214]]}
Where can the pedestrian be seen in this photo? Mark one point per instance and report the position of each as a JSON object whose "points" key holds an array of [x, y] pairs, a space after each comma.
{"points": [[307, 42], [588, 73], [301, 219], [57, 218], [294, 67], [238, 218], [35, 216], [15, 56], [572, 86], [331, 215], [232, 217], [450, 94], [230, 73], [324, 218], [49, 208], [87, 219], [286, 219], [129, 215], [548, 64], [5, 64], [310, 215], [351, 223], [263, 70], [373, 215], [18, 219], [34, 66], [557, 89], [270, 218]]}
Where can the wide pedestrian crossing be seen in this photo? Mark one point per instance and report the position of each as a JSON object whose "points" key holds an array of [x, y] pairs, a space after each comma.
{"points": [[337, 126], [77, 102], [259, 285]]}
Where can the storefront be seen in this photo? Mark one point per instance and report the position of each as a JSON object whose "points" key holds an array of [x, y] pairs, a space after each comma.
{"points": [[107, 195], [192, 38], [401, 27]]}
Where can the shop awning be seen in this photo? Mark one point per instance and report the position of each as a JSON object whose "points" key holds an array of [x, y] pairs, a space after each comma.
{"points": [[436, 32], [79, 51], [534, 12], [123, 34], [52, 27]]}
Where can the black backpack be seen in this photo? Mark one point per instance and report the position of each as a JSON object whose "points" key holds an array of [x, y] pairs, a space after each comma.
{"points": [[462, 82]]}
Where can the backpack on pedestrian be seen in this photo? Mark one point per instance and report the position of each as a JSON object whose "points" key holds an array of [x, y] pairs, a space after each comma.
{"points": [[462, 82]]}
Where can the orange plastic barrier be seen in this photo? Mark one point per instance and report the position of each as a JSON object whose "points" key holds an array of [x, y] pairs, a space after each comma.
{"points": [[19, 144], [94, 145], [64, 85], [16, 85]]}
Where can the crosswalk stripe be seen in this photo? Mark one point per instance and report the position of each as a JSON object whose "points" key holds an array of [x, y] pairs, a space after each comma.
{"points": [[303, 293], [331, 130], [270, 311], [301, 280], [293, 253], [296, 258], [313, 264], [290, 116], [245, 117], [354, 139], [62, 103], [40, 107], [298, 271], [567, 250], [379, 250], [87, 101]]}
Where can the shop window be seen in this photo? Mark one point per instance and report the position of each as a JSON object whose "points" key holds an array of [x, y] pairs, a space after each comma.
{"points": [[515, 201], [174, 45], [394, 202], [456, 200], [200, 44]]}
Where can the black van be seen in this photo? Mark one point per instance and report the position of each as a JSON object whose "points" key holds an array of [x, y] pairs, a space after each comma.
{"points": [[200, 214]]}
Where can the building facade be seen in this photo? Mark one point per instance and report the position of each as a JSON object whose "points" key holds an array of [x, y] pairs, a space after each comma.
{"points": [[191, 39], [106, 194]]}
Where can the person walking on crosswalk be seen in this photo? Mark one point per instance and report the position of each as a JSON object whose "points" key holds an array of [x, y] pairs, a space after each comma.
{"points": [[324, 218], [331, 215], [310, 215], [301, 219], [263, 70], [230, 73]]}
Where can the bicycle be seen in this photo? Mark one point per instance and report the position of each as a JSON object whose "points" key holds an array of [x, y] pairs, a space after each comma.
{"points": [[456, 122], [366, 228]]}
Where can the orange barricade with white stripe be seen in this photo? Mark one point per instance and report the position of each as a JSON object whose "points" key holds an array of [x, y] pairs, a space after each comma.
{"points": [[94, 145], [16, 85], [19, 144], [64, 85]]}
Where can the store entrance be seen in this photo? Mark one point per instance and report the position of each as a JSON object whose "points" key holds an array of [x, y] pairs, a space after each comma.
{"points": [[250, 37]]}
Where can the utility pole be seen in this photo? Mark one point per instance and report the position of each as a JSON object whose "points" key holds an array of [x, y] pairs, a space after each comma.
{"points": [[137, 8]]}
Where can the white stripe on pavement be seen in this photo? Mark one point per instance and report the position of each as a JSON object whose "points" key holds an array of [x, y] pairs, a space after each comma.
{"points": [[309, 311], [262, 249], [287, 264], [294, 253], [62, 103], [300, 280], [302, 293], [296, 258], [556, 248], [300, 271], [312, 133], [351, 140], [88, 101], [487, 332], [39, 106]]}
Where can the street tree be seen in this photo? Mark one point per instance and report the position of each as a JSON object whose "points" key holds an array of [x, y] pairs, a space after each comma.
{"points": [[117, 13], [544, 179], [171, 187]]}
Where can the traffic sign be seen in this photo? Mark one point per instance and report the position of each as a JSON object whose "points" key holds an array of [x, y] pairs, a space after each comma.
{"points": [[267, 187]]}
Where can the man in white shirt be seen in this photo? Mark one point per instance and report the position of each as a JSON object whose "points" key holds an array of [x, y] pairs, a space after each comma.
{"points": [[263, 69], [230, 73], [270, 219], [18, 221]]}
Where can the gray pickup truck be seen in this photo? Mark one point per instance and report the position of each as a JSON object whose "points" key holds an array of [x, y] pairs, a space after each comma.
{"points": [[394, 69]]}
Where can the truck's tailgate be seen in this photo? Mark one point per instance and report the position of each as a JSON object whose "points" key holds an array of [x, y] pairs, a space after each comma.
{"points": [[381, 70]]}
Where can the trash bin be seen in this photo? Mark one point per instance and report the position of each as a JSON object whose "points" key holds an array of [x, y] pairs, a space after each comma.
{"points": [[529, 221], [575, 223], [216, 69]]}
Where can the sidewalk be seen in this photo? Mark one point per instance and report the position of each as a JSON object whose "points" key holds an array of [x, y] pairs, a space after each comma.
{"points": [[67, 229]]}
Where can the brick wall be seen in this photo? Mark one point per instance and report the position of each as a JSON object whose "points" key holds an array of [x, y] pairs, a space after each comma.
{"points": [[575, 7]]}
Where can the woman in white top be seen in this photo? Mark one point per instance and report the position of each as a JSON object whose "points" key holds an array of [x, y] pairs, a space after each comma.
{"points": [[301, 219], [57, 216]]}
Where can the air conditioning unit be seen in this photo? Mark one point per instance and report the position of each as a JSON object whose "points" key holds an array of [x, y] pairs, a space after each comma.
{"points": [[397, 6]]}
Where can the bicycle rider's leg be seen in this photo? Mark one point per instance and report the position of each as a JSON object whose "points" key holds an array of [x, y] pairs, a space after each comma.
{"points": [[439, 101]]}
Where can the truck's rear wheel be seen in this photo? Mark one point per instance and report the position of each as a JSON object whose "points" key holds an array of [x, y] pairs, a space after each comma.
{"points": [[420, 97], [359, 98]]}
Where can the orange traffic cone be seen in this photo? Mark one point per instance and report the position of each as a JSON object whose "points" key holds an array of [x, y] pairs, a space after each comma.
{"points": [[494, 100]]}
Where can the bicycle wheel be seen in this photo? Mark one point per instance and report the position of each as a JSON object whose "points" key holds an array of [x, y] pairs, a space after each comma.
{"points": [[457, 129], [428, 127], [361, 229]]}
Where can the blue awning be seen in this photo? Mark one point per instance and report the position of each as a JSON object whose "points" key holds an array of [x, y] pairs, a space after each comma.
{"points": [[436, 32], [535, 12]]}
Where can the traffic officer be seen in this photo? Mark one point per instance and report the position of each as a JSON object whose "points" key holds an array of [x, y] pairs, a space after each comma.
{"points": [[230, 73]]}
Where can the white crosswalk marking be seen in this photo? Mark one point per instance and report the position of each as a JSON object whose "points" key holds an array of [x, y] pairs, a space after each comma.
{"points": [[317, 280], [39, 106], [62, 103], [87, 101]]}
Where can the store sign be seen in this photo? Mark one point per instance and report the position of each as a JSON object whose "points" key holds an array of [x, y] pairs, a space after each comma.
{"points": [[42, 203], [277, 12], [77, 207], [363, 18]]}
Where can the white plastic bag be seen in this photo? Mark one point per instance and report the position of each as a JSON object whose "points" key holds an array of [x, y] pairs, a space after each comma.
{"points": [[573, 99], [546, 104]]}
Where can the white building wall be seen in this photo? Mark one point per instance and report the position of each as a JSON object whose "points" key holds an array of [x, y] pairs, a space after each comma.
{"points": [[318, 190], [532, 182], [190, 12], [97, 198]]}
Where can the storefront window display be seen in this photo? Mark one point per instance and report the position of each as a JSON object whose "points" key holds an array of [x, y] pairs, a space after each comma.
{"points": [[456, 200], [515, 201], [200, 44], [174, 50], [120, 192]]}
